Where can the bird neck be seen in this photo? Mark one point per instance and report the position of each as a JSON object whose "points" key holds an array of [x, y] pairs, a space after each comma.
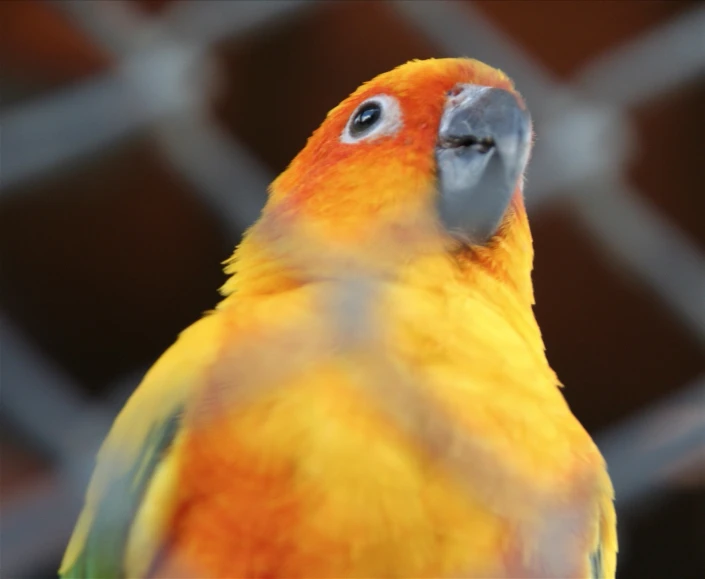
{"points": [[509, 256], [278, 255]]}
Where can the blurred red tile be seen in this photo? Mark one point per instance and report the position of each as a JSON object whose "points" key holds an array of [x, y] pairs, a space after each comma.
{"points": [[615, 345], [21, 468], [55, 48], [105, 262], [669, 168], [566, 35], [283, 83]]}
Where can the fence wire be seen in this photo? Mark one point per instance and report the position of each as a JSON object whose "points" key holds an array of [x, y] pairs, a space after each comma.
{"points": [[161, 80]]}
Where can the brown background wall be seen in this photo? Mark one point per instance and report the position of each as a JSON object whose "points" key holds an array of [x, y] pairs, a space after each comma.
{"points": [[105, 260]]}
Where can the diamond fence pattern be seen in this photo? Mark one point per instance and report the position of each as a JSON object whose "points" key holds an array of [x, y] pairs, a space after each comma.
{"points": [[161, 81]]}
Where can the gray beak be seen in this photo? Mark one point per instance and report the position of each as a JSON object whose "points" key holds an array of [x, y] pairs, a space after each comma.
{"points": [[483, 146]]}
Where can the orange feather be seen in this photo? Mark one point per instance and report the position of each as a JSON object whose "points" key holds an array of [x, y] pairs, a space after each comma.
{"points": [[372, 396]]}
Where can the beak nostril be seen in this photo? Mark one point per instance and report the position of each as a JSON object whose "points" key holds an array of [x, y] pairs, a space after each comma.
{"points": [[481, 145]]}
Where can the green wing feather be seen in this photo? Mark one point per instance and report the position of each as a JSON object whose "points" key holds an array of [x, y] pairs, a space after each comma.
{"points": [[596, 571], [103, 552], [138, 443], [603, 560]]}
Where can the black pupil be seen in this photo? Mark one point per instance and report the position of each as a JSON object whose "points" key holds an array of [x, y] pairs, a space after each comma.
{"points": [[365, 118]]}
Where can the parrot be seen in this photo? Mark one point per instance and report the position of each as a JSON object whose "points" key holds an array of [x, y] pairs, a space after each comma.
{"points": [[371, 395]]}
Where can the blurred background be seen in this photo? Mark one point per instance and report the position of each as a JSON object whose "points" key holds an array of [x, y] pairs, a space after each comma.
{"points": [[137, 141]]}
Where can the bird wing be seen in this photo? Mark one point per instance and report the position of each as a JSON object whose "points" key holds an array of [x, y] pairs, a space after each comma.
{"points": [[139, 446]]}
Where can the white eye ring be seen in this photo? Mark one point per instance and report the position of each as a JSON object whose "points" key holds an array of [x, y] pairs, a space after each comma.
{"points": [[387, 123]]}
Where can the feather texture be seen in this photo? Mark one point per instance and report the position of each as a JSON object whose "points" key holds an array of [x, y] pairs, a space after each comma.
{"points": [[371, 398]]}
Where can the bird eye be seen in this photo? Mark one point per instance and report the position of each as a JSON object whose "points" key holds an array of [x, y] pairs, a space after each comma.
{"points": [[376, 117], [365, 118]]}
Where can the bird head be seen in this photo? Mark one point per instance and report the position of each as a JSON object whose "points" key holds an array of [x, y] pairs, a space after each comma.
{"points": [[427, 158]]}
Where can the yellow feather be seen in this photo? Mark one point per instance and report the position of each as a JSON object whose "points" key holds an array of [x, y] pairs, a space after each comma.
{"points": [[371, 398], [164, 388]]}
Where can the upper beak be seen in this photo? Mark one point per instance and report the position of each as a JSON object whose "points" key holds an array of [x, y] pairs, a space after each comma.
{"points": [[483, 146]]}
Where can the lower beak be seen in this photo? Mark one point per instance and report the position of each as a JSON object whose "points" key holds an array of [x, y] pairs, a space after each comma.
{"points": [[483, 146]]}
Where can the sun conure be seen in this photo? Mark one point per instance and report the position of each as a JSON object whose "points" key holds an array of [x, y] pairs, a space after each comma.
{"points": [[371, 397]]}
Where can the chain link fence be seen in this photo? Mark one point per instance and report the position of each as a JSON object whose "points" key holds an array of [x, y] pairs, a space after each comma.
{"points": [[161, 81]]}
